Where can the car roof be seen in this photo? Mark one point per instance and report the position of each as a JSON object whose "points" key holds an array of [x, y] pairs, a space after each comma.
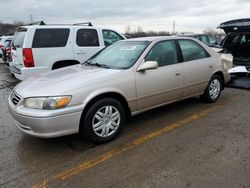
{"points": [[236, 25], [192, 34], [156, 38], [62, 26]]}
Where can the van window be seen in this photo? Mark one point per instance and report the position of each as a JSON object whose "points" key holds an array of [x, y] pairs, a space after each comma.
{"points": [[19, 38], [49, 38], [87, 37]]}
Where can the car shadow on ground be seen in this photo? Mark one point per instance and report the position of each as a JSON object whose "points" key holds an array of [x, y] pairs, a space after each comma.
{"points": [[75, 144]]}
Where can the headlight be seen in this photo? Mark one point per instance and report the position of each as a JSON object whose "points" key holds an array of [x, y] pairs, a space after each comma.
{"points": [[47, 103]]}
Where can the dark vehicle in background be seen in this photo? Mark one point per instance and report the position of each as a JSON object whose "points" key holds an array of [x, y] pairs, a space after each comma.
{"points": [[207, 39], [237, 43], [6, 51]]}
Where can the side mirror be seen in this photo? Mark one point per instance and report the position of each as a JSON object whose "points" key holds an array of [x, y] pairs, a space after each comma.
{"points": [[148, 65]]}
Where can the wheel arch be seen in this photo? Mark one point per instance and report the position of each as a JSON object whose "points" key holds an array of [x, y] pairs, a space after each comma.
{"points": [[64, 63], [114, 95], [221, 75]]}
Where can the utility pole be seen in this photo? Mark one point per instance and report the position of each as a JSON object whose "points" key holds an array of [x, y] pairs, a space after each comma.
{"points": [[173, 27], [31, 19]]}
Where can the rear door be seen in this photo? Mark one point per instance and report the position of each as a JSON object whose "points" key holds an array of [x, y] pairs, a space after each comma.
{"points": [[197, 66], [88, 43], [50, 45]]}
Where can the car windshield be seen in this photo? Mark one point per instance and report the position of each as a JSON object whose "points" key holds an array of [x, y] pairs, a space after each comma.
{"points": [[120, 55]]}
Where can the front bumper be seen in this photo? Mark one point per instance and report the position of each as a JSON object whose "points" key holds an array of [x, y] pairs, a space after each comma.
{"points": [[47, 127]]}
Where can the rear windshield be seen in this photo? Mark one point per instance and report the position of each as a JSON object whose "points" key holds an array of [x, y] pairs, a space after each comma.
{"points": [[18, 38], [49, 38]]}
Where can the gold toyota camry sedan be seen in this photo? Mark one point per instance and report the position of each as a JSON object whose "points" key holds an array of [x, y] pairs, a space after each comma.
{"points": [[126, 78]]}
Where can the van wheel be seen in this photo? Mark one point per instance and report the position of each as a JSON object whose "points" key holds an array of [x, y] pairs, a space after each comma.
{"points": [[104, 120], [213, 90]]}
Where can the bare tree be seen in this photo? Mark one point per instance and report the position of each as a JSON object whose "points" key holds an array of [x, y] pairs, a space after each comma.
{"points": [[138, 32], [213, 32], [127, 29]]}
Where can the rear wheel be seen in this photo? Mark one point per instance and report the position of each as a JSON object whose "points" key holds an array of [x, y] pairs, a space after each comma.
{"points": [[213, 90], [104, 120]]}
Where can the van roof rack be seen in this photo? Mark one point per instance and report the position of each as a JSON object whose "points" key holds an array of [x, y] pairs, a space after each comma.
{"points": [[38, 23], [84, 23]]}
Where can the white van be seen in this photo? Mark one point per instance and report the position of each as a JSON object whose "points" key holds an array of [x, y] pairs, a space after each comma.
{"points": [[41, 48]]}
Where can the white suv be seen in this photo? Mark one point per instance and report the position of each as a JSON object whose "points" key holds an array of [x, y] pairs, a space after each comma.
{"points": [[41, 48]]}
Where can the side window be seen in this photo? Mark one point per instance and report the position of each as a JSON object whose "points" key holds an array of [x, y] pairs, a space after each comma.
{"points": [[18, 39], [212, 40], [87, 37], [191, 50], [235, 39], [49, 38], [197, 37], [164, 53], [204, 39], [243, 39], [110, 37]]}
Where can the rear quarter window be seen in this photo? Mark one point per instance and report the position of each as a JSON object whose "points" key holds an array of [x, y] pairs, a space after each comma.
{"points": [[50, 38], [18, 39]]}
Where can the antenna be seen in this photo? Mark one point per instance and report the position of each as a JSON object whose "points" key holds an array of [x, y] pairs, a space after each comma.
{"points": [[31, 19], [173, 27]]}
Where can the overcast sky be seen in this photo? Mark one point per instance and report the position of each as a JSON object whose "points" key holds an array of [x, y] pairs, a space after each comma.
{"points": [[157, 15]]}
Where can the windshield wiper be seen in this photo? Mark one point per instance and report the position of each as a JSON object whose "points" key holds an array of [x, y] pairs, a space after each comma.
{"points": [[88, 63], [101, 65]]}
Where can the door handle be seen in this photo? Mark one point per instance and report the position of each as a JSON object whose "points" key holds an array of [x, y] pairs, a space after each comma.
{"points": [[210, 66], [177, 74]]}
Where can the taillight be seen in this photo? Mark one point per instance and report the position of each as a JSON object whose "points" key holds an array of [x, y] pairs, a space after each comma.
{"points": [[28, 57], [8, 50]]}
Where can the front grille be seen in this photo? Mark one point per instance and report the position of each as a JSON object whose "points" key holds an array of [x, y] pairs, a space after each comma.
{"points": [[15, 98]]}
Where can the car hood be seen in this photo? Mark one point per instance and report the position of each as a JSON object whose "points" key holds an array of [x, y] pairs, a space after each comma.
{"points": [[63, 81], [233, 26]]}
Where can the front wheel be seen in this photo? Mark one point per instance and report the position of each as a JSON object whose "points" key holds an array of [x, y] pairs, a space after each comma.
{"points": [[104, 120], [213, 90]]}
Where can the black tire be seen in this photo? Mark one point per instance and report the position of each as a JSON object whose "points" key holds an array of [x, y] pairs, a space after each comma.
{"points": [[62, 64], [207, 96], [87, 129]]}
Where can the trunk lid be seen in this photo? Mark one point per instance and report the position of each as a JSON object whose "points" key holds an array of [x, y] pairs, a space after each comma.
{"points": [[233, 26]]}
